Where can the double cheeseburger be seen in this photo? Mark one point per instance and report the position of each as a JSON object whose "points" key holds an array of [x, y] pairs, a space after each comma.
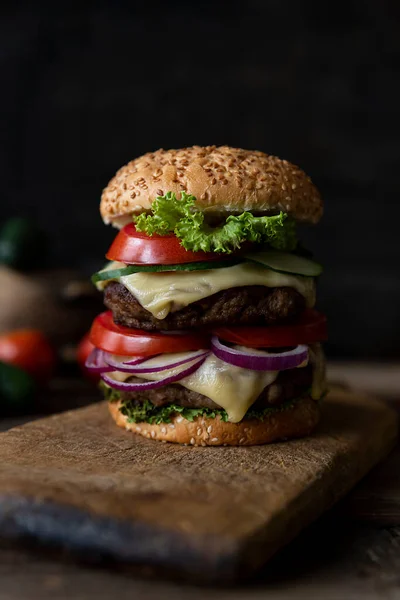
{"points": [[211, 336]]}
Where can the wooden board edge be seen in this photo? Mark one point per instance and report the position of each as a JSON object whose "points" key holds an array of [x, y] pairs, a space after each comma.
{"points": [[44, 524], [23, 518]]}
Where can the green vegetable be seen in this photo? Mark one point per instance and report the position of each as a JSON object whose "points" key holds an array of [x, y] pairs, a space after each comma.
{"points": [[22, 244], [196, 266], [188, 223], [282, 262], [286, 263], [108, 392], [17, 390], [148, 413]]}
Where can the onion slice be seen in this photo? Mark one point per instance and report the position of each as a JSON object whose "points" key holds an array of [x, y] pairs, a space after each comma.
{"points": [[124, 365], [158, 363], [138, 360], [257, 361], [95, 362], [124, 386]]}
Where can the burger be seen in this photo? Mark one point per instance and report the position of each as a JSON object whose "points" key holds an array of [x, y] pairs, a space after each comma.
{"points": [[211, 336]]}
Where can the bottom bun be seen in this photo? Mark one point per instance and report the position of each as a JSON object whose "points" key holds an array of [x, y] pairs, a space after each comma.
{"points": [[296, 421]]}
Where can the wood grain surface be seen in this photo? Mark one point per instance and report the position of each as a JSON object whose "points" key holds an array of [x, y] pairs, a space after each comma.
{"points": [[76, 481]]}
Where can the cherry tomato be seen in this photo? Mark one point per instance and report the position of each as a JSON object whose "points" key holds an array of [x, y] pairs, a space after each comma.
{"points": [[105, 334], [84, 349], [311, 327], [30, 350], [132, 247]]}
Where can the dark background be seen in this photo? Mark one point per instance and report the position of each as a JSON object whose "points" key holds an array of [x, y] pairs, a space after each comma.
{"points": [[85, 89]]}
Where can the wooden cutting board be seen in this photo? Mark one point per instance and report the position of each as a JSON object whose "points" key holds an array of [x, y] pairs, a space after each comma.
{"points": [[76, 481]]}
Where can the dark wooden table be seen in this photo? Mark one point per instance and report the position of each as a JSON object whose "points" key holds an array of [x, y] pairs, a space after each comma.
{"points": [[352, 552]]}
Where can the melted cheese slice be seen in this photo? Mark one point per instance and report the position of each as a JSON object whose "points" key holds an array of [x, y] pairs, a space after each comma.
{"points": [[162, 293], [232, 388]]}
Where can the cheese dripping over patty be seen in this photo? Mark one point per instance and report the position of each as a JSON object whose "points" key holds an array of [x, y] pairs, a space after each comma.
{"points": [[165, 292]]}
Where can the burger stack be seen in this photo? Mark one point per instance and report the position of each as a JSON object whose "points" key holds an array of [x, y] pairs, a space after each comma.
{"points": [[211, 336]]}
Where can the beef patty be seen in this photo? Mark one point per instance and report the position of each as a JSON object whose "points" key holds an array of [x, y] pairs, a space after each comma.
{"points": [[287, 386], [248, 305]]}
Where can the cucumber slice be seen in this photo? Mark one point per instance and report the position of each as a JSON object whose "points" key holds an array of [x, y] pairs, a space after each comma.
{"points": [[286, 263], [196, 266], [22, 244], [17, 390]]}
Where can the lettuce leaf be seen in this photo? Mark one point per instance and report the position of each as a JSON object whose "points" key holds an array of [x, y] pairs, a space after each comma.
{"points": [[188, 223], [146, 412]]}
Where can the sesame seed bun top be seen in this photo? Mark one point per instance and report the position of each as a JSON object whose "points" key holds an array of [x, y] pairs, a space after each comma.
{"points": [[223, 179]]}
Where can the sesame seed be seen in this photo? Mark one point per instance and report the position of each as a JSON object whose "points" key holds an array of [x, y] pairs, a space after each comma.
{"points": [[193, 441], [199, 432], [138, 429], [163, 430], [214, 439], [153, 434], [209, 429], [179, 419], [203, 443], [171, 426], [242, 440]]}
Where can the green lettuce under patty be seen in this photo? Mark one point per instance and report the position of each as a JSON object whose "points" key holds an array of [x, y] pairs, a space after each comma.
{"points": [[188, 223], [146, 412]]}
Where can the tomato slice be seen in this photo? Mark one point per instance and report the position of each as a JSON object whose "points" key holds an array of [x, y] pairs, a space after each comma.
{"points": [[105, 334], [132, 247], [31, 351], [311, 327]]}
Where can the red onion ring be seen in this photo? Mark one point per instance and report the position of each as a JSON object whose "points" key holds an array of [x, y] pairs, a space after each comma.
{"points": [[95, 362], [138, 360], [127, 364], [270, 362], [139, 366], [123, 386]]}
